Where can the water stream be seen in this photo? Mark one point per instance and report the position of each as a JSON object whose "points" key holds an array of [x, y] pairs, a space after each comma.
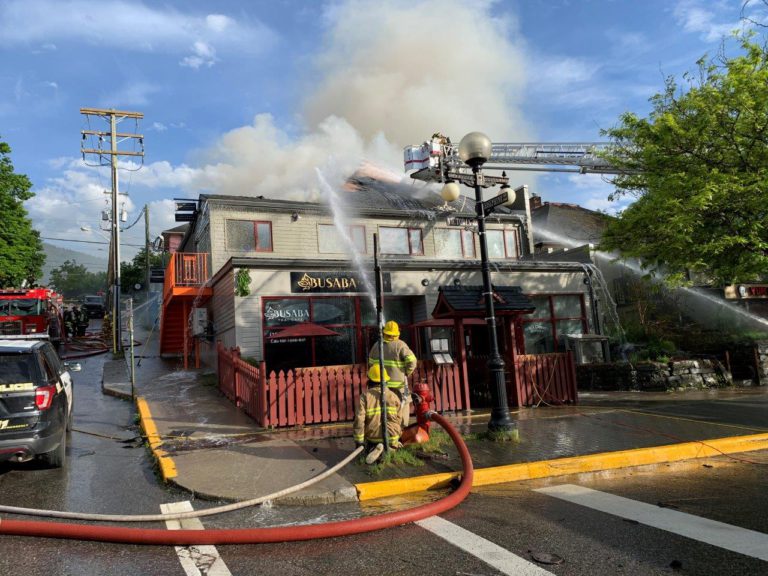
{"points": [[340, 221]]}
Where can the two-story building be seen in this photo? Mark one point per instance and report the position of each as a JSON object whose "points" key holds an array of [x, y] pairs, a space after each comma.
{"points": [[284, 287]]}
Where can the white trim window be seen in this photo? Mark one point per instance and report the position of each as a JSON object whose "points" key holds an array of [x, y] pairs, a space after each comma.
{"points": [[454, 243], [503, 244], [329, 240], [401, 241]]}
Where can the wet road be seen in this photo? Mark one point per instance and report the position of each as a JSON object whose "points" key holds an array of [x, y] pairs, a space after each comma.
{"points": [[509, 525]]}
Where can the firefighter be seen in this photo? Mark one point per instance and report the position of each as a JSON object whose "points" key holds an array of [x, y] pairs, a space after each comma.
{"points": [[400, 362], [367, 426], [69, 322], [80, 320]]}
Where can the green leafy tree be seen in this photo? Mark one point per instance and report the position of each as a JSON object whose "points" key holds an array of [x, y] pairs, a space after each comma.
{"points": [[134, 272], [21, 250], [698, 168], [73, 280]]}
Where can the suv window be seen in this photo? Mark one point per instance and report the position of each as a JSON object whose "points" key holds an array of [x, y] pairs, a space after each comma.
{"points": [[50, 374], [52, 358], [17, 368]]}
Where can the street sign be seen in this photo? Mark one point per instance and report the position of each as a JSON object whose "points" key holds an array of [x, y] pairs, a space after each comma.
{"points": [[461, 221], [489, 205]]}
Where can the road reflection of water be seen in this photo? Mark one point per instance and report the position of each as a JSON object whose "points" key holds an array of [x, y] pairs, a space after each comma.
{"points": [[271, 515]]}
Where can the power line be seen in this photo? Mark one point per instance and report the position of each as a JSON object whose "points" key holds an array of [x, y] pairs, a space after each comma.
{"points": [[88, 241]]}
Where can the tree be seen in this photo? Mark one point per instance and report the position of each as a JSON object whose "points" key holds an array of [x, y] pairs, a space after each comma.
{"points": [[21, 250], [134, 272], [698, 167], [73, 280]]}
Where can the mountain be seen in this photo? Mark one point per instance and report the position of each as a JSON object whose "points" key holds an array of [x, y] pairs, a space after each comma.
{"points": [[55, 256]]}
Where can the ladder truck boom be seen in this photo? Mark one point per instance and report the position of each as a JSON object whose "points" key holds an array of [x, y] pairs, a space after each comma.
{"points": [[432, 159]]}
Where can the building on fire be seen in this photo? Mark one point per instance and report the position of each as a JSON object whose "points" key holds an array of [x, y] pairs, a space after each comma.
{"points": [[275, 279]]}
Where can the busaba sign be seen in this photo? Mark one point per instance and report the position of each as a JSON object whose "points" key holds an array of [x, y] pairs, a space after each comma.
{"points": [[303, 282]]}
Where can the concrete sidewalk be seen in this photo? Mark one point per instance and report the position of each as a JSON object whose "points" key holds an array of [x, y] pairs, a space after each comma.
{"points": [[205, 445]]}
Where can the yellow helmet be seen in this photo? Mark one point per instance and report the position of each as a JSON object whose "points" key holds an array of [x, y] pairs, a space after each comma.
{"points": [[391, 329], [374, 374]]}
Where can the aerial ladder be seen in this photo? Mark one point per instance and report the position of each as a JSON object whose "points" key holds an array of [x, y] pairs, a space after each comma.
{"points": [[432, 160]]}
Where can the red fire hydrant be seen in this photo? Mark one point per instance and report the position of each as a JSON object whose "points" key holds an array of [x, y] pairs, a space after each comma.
{"points": [[418, 433]]}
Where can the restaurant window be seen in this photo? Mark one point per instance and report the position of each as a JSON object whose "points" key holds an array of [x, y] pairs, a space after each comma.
{"points": [[454, 243], [331, 242], [502, 244], [401, 241], [555, 316], [249, 236]]}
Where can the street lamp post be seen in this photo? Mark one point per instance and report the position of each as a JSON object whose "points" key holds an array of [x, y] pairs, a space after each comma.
{"points": [[474, 150]]}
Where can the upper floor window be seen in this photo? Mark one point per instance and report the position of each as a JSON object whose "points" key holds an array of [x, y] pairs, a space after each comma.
{"points": [[329, 239], [502, 243], [401, 241], [249, 236], [453, 243]]}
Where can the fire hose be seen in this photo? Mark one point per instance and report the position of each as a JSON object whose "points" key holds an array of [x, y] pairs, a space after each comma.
{"points": [[254, 535]]}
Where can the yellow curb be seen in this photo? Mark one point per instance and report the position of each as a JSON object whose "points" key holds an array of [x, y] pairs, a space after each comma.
{"points": [[167, 465], [571, 465]]}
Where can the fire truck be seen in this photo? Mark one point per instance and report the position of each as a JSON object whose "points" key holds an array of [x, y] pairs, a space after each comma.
{"points": [[32, 312]]}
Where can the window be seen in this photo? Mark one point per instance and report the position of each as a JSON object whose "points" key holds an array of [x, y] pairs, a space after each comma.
{"points": [[453, 243], [330, 241], [249, 236], [502, 243], [555, 316], [401, 241]]}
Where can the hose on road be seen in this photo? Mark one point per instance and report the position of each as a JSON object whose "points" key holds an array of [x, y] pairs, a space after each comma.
{"points": [[121, 534]]}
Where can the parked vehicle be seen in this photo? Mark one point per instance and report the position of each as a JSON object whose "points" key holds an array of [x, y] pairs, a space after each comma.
{"points": [[32, 312], [94, 305], [36, 402]]}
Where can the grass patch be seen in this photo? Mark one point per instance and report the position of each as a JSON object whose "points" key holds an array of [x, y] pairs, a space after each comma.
{"points": [[392, 459], [500, 435], [437, 441]]}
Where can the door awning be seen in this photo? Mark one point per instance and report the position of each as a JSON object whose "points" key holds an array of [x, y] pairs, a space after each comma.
{"points": [[448, 322], [469, 301]]}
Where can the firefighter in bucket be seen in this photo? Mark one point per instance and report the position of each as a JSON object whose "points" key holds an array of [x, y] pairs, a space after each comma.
{"points": [[367, 429]]}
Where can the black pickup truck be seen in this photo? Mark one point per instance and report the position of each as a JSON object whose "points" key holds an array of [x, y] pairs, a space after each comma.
{"points": [[94, 305]]}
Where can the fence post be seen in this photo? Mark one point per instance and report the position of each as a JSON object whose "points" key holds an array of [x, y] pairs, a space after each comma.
{"points": [[236, 374], [263, 410]]}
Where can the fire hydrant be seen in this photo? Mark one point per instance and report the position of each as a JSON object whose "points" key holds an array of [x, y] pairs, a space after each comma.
{"points": [[418, 433]]}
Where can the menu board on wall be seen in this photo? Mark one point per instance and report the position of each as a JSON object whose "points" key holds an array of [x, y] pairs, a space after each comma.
{"points": [[314, 282]]}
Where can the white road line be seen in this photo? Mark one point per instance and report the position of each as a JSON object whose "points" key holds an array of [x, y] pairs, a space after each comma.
{"points": [[196, 560], [501, 559], [727, 536]]}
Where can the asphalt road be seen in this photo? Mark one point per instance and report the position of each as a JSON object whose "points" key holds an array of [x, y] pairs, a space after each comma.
{"points": [[498, 530]]}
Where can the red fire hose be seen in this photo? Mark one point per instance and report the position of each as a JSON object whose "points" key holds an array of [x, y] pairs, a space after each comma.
{"points": [[253, 535]]}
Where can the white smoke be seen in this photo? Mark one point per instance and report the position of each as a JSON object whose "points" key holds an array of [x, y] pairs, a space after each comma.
{"points": [[389, 74]]}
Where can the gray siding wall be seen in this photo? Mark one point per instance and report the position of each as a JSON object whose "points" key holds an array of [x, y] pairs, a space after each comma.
{"points": [[299, 239]]}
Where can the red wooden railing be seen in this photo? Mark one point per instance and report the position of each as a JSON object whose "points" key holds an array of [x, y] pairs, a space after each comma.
{"points": [[186, 269], [545, 379], [318, 395]]}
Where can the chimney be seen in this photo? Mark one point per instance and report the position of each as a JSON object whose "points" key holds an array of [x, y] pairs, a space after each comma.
{"points": [[535, 201]]}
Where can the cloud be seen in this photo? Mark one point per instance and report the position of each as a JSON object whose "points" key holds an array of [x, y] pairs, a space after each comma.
{"points": [[135, 93], [202, 55], [159, 127], [702, 18], [131, 26]]}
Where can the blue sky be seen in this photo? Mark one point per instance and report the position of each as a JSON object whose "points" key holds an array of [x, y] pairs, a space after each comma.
{"points": [[248, 97]]}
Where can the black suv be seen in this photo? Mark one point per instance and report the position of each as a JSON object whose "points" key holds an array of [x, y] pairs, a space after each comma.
{"points": [[94, 305], [35, 402]]}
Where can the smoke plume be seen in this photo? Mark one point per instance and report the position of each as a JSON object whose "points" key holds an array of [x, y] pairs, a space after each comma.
{"points": [[388, 74]]}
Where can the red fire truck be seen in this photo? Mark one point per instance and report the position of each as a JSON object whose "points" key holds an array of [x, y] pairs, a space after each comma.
{"points": [[32, 312]]}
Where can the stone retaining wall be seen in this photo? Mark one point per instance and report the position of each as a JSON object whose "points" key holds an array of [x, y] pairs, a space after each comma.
{"points": [[762, 361], [655, 376]]}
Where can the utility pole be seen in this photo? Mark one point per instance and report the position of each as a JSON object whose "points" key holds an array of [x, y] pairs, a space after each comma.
{"points": [[146, 248], [110, 157]]}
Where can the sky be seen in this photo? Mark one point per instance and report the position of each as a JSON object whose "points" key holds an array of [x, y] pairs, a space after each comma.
{"points": [[249, 97]]}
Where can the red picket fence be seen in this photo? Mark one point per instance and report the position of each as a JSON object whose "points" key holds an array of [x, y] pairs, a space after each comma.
{"points": [[546, 379], [319, 394]]}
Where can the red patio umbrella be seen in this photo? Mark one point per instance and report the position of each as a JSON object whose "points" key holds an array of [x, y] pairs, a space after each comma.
{"points": [[307, 329]]}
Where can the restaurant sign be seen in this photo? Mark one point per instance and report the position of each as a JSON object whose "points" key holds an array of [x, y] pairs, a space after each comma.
{"points": [[310, 282], [746, 291]]}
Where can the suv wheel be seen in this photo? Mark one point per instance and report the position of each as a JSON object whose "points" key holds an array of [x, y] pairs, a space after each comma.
{"points": [[55, 458]]}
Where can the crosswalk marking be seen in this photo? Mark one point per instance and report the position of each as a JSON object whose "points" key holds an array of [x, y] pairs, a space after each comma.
{"points": [[727, 536], [503, 560], [196, 560]]}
